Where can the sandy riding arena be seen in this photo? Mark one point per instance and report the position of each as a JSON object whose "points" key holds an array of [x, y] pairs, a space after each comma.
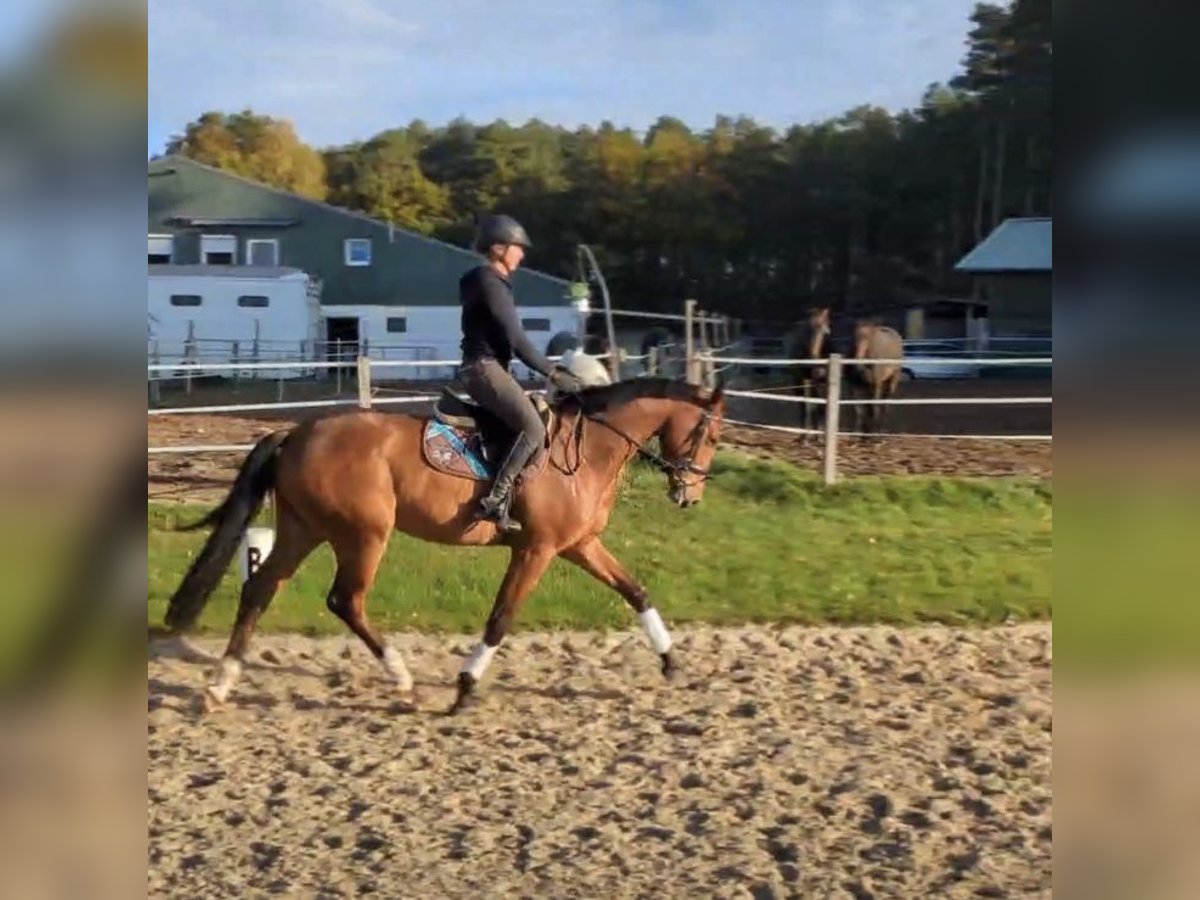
{"points": [[870, 762]]}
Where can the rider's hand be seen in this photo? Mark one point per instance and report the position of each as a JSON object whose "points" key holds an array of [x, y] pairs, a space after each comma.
{"points": [[565, 381]]}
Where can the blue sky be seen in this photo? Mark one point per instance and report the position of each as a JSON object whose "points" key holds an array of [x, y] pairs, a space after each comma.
{"points": [[343, 70]]}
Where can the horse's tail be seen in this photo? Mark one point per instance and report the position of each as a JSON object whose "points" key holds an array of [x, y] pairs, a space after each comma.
{"points": [[231, 519]]}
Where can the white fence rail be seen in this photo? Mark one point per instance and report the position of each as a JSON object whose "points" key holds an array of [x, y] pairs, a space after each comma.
{"points": [[701, 362]]}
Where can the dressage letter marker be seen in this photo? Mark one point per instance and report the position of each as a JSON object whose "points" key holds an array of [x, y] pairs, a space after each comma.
{"points": [[256, 547]]}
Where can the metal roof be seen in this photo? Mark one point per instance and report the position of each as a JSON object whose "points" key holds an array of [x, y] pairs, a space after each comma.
{"points": [[167, 165], [225, 271], [204, 221], [1017, 245]]}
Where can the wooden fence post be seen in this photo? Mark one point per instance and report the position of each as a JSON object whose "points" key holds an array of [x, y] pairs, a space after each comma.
{"points": [[833, 398], [364, 382], [652, 362]]}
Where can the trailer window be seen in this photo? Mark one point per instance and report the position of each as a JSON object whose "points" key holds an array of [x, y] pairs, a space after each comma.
{"points": [[161, 249], [535, 324], [185, 299], [254, 300], [397, 325]]}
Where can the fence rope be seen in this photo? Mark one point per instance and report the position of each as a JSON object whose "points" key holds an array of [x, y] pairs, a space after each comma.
{"points": [[923, 360], [894, 434]]}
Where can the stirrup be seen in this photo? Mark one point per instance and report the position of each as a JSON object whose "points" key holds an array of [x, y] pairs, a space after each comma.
{"points": [[496, 511]]}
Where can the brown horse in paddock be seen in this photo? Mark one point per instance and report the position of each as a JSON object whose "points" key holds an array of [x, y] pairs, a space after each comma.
{"points": [[814, 342], [351, 480], [874, 382]]}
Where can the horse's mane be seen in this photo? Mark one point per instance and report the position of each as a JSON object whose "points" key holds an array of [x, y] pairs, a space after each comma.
{"points": [[605, 397]]}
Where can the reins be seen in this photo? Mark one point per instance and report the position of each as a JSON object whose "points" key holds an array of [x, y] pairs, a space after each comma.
{"points": [[671, 469]]}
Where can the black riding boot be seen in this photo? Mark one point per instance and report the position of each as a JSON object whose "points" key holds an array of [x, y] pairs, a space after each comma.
{"points": [[494, 507]]}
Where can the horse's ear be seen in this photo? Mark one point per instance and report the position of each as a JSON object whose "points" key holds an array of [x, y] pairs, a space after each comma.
{"points": [[718, 395]]}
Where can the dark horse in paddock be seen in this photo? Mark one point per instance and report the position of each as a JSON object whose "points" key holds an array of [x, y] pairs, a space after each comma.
{"points": [[814, 340], [351, 480]]}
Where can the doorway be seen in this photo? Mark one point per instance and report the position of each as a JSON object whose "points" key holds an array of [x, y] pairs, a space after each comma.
{"points": [[341, 340]]}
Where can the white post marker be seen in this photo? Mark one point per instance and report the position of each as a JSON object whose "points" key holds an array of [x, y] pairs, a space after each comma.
{"points": [[479, 660], [256, 547], [652, 622]]}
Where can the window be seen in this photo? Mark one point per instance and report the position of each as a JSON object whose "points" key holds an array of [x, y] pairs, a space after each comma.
{"points": [[162, 249], [535, 324], [218, 249], [357, 251], [254, 300], [262, 252], [185, 299], [397, 325]]}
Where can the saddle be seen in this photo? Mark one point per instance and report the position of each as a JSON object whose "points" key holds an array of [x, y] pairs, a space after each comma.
{"points": [[467, 440]]}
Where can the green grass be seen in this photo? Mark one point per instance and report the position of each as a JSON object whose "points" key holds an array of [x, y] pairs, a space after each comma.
{"points": [[769, 543]]}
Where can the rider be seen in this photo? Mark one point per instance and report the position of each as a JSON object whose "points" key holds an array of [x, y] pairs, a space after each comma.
{"points": [[492, 335]]}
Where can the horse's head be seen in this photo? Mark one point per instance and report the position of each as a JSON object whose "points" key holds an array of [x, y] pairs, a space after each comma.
{"points": [[864, 330], [819, 330], [688, 440]]}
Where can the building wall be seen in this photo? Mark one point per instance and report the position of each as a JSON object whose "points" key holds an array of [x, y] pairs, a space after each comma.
{"points": [[406, 268], [1019, 304], [434, 332]]}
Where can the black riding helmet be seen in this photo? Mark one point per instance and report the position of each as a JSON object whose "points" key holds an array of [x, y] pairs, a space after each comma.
{"points": [[500, 230]]}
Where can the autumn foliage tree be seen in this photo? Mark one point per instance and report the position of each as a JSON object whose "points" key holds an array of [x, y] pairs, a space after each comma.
{"points": [[258, 147], [856, 212]]}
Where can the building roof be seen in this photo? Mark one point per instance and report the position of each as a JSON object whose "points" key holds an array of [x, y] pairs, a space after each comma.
{"points": [[167, 165], [1016, 245], [205, 222], [178, 271]]}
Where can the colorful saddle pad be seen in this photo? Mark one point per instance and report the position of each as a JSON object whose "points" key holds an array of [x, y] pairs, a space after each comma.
{"points": [[456, 451]]}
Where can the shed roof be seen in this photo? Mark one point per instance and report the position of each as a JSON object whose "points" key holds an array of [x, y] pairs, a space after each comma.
{"points": [[1016, 245]]}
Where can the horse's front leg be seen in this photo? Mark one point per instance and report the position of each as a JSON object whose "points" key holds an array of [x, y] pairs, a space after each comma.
{"points": [[593, 557], [525, 570]]}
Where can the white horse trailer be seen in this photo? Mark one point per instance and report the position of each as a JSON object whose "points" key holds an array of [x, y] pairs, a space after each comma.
{"points": [[232, 314]]}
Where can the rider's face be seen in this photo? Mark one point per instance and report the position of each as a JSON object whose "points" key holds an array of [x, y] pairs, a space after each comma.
{"points": [[513, 255]]}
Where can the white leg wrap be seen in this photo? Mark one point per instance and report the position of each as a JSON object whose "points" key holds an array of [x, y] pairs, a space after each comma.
{"points": [[231, 670], [479, 660], [393, 662], [656, 630]]}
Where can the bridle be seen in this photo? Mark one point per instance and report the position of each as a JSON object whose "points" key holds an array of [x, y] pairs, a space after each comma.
{"points": [[677, 469]]}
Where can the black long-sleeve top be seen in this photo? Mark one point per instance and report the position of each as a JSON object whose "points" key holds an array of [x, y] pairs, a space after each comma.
{"points": [[490, 325]]}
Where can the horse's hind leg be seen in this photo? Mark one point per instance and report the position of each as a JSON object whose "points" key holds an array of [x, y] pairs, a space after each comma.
{"points": [[358, 560], [293, 543], [595, 559]]}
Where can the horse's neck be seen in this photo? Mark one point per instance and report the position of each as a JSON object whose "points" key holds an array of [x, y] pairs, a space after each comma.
{"points": [[637, 421], [819, 345]]}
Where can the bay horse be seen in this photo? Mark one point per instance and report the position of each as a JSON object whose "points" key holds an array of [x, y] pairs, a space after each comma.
{"points": [[351, 480], [815, 339], [874, 382]]}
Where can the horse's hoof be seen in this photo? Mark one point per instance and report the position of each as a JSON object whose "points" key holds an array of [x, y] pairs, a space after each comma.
{"points": [[466, 691], [405, 702], [212, 699], [461, 704], [668, 667]]}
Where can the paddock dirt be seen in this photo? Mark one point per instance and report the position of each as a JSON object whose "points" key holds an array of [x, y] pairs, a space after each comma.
{"points": [[807, 762]]}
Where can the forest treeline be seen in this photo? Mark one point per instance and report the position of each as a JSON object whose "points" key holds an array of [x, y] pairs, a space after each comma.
{"points": [[861, 212]]}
